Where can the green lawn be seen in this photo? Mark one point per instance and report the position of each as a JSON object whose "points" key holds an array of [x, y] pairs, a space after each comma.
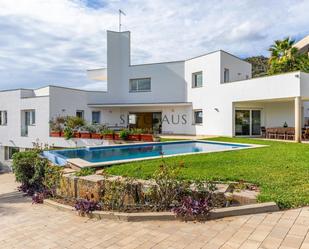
{"points": [[281, 169]]}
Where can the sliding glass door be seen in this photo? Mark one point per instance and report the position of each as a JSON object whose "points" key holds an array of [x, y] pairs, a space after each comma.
{"points": [[247, 122]]}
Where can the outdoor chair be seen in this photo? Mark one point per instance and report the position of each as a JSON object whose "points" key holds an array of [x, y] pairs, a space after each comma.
{"points": [[290, 133], [281, 133], [271, 133]]}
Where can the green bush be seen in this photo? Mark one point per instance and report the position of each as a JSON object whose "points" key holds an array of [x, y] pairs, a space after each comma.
{"points": [[29, 168], [74, 122], [124, 134], [107, 132], [68, 133]]}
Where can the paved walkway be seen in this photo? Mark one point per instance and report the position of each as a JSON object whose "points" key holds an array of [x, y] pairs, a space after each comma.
{"points": [[23, 225]]}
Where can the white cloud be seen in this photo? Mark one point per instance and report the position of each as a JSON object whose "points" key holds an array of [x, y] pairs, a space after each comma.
{"points": [[54, 42]]}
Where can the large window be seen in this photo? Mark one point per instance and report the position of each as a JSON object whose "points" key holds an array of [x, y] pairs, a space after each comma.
{"points": [[197, 79], [80, 114], [140, 85], [30, 117], [198, 116], [96, 116], [226, 75], [3, 117]]}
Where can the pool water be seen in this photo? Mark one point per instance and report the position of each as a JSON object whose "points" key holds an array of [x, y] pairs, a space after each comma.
{"points": [[137, 151]]}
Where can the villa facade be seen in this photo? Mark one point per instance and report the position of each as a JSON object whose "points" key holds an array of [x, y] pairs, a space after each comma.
{"points": [[212, 94]]}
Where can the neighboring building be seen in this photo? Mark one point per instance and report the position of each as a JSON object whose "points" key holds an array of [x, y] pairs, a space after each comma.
{"points": [[303, 45], [212, 94]]}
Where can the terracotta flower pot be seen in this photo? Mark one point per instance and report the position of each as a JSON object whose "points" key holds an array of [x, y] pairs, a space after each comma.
{"points": [[147, 137], [134, 137], [96, 135], [76, 135], [108, 136], [85, 135], [55, 134], [116, 136]]}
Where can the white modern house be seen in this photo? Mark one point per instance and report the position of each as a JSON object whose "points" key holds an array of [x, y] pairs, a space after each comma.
{"points": [[212, 94]]}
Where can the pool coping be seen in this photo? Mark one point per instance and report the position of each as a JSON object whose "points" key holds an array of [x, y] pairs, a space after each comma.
{"points": [[78, 163], [266, 207]]}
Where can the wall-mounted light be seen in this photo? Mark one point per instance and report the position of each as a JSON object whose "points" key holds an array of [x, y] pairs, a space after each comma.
{"points": [[216, 109], [63, 110], [296, 75]]}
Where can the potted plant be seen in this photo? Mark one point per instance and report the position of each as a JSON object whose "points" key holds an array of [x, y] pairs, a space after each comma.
{"points": [[108, 134], [86, 131], [56, 126], [117, 136], [97, 132], [68, 133], [74, 123], [135, 135], [147, 136], [124, 134]]}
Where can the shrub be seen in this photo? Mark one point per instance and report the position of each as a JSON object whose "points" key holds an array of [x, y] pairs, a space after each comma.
{"points": [[57, 123], [74, 122], [29, 169], [85, 172], [124, 134], [68, 133], [90, 128], [38, 179], [169, 188], [85, 206], [193, 208]]}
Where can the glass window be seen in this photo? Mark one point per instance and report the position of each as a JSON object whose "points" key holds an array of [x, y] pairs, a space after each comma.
{"points": [[226, 75], [96, 117], [80, 114], [30, 117], [33, 117], [3, 117], [198, 117], [140, 85], [197, 79], [10, 151]]}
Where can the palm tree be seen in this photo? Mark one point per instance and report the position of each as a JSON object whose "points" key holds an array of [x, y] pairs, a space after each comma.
{"points": [[282, 50], [283, 56]]}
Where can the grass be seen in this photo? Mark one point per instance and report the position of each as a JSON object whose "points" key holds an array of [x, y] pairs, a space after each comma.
{"points": [[281, 169]]}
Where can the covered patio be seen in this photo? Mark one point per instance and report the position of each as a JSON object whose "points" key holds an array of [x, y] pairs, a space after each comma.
{"points": [[283, 118]]}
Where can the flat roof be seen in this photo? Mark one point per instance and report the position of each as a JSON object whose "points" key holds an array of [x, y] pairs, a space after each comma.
{"points": [[139, 104]]}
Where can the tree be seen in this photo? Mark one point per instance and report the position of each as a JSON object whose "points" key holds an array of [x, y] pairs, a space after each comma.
{"points": [[286, 58], [259, 65]]}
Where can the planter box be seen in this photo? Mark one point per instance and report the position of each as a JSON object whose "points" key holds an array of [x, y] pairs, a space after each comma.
{"points": [[96, 135], [55, 134], [85, 135], [76, 135], [147, 137], [108, 136], [134, 137], [116, 136]]}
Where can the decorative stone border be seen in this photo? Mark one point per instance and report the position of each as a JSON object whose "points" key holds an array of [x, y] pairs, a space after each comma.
{"points": [[168, 216]]}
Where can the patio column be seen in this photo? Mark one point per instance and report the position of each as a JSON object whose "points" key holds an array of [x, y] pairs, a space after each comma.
{"points": [[297, 112]]}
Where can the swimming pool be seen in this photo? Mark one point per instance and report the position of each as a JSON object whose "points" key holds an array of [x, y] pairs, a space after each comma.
{"points": [[96, 156]]}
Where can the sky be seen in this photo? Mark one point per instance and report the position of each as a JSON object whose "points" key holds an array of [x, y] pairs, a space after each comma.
{"points": [[54, 42]]}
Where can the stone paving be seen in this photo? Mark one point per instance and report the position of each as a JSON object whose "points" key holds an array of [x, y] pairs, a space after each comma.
{"points": [[25, 225]]}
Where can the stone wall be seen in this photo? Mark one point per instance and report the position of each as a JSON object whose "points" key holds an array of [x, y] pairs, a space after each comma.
{"points": [[133, 192]]}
